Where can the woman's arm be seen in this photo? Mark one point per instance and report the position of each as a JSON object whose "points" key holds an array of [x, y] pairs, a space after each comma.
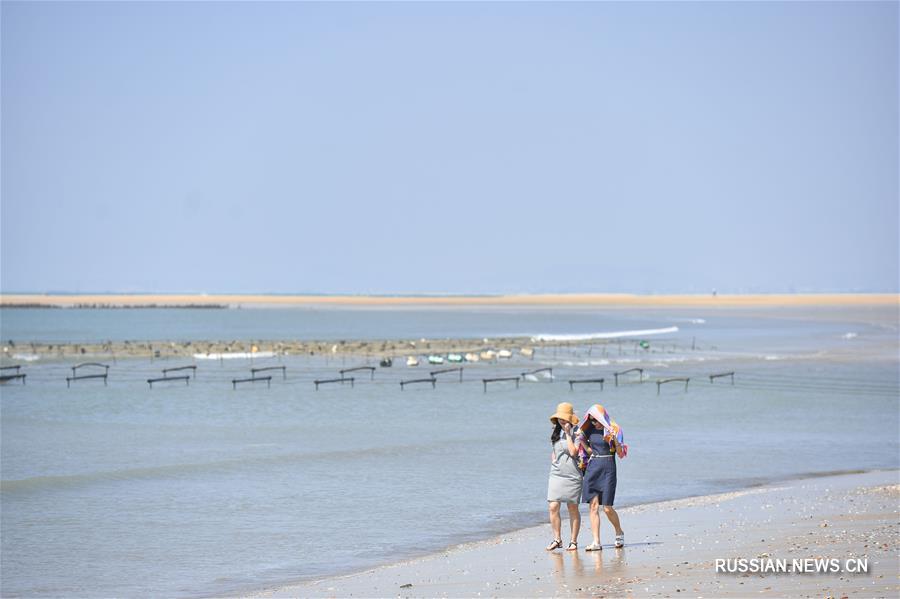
{"points": [[586, 444], [573, 449]]}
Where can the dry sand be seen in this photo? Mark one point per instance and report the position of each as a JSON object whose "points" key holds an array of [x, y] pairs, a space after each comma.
{"points": [[575, 299], [671, 550]]}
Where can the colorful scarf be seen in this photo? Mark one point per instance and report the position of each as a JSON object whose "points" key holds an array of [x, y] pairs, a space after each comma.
{"points": [[612, 432]]}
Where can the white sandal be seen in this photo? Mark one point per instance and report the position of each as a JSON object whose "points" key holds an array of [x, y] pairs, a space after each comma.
{"points": [[620, 541]]}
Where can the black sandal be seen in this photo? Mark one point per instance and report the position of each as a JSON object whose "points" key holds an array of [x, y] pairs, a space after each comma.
{"points": [[573, 546], [554, 545]]}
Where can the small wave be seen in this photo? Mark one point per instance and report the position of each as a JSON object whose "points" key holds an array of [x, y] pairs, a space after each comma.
{"points": [[604, 335], [690, 320], [850, 335], [234, 355], [26, 357], [195, 469]]}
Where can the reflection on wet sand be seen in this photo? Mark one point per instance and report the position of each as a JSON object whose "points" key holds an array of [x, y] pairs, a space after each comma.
{"points": [[570, 567]]}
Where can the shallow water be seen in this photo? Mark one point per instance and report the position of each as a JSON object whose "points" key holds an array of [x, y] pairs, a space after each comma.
{"points": [[202, 489]]}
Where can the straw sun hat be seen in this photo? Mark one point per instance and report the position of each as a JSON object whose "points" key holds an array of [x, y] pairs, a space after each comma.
{"points": [[565, 411]]}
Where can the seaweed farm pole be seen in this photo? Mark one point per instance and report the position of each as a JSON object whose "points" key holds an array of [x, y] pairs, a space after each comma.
{"points": [[431, 380], [341, 380], [443, 370], [573, 382], [638, 370], [505, 378], [672, 380], [712, 377]]}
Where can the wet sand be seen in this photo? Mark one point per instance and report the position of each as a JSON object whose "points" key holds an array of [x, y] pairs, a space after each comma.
{"points": [[574, 299], [671, 550]]}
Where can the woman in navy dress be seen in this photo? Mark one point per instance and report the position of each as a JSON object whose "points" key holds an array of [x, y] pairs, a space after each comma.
{"points": [[599, 487]]}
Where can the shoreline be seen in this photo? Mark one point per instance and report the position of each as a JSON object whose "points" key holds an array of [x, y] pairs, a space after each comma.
{"points": [[111, 301], [515, 564]]}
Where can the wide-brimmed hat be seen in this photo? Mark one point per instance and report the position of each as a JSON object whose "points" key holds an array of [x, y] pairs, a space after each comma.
{"points": [[566, 412]]}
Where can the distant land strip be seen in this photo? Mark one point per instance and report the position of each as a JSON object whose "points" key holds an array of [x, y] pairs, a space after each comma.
{"points": [[107, 306], [575, 299]]}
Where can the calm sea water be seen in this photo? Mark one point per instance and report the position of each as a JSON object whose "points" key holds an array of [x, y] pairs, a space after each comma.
{"points": [[201, 490]]}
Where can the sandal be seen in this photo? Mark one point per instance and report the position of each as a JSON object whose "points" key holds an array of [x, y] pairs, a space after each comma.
{"points": [[594, 547], [573, 546], [554, 545], [620, 541]]}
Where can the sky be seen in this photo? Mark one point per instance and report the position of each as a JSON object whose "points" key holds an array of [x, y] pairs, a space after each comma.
{"points": [[449, 147]]}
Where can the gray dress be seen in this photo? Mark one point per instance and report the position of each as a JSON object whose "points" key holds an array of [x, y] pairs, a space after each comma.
{"points": [[565, 476]]}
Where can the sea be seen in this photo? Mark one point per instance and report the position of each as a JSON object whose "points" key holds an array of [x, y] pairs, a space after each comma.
{"points": [[206, 488]]}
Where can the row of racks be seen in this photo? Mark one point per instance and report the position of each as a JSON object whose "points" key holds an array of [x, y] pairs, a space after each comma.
{"points": [[572, 382], [91, 370]]}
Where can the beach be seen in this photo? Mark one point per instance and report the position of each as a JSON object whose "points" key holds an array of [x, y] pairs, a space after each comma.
{"points": [[330, 463], [671, 550]]}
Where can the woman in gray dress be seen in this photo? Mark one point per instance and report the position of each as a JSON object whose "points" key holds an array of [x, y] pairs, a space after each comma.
{"points": [[565, 475]]}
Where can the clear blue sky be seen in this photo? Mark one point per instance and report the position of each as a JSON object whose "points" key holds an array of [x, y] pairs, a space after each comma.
{"points": [[464, 147]]}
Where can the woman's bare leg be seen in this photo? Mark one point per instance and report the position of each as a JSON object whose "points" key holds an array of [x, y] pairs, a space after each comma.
{"points": [[574, 521], [555, 523], [613, 518], [595, 518]]}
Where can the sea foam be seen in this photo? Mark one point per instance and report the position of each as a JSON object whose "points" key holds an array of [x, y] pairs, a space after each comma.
{"points": [[604, 335]]}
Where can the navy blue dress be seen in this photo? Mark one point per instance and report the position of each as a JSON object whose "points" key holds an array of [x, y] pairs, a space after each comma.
{"points": [[600, 476]]}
